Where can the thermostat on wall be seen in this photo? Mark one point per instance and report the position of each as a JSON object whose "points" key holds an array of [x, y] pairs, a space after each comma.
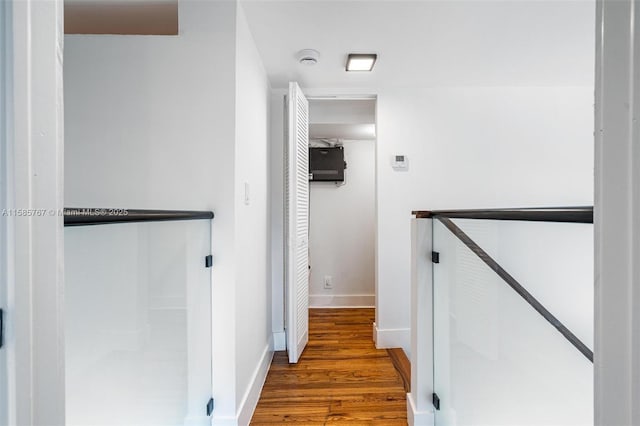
{"points": [[400, 162]]}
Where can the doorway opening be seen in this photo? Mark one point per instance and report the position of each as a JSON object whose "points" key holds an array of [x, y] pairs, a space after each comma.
{"points": [[342, 205], [330, 193]]}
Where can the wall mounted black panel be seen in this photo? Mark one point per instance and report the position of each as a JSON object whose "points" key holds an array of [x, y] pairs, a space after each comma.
{"points": [[326, 164]]}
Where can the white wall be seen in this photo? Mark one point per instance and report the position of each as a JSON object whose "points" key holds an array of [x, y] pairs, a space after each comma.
{"points": [[342, 232], [253, 300], [472, 148], [152, 124], [276, 195]]}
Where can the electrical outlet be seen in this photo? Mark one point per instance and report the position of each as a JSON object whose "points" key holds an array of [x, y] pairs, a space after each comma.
{"points": [[328, 281]]}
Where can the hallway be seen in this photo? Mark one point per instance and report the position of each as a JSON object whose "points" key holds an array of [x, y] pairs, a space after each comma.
{"points": [[341, 377]]}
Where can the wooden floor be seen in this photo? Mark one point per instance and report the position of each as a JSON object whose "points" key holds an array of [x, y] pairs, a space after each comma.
{"points": [[340, 378]]}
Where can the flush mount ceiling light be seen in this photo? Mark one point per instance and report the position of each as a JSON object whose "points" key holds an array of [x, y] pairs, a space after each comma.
{"points": [[361, 61], [308, 56]]}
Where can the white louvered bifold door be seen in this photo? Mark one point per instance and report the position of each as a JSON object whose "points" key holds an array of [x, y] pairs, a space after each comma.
{"points": [[297, 223]]}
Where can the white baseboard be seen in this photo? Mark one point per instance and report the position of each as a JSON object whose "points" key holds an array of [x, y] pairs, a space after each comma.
{"points": [[251, 397], [224, 421], [393, 338], [418, 418], [342, 300], [279, 341]]}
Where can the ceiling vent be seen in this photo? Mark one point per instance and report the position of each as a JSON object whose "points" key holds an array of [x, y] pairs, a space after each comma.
{"points": [[308, 56]]}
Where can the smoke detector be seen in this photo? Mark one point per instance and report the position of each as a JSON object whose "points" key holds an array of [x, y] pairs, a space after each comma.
{"points": [[308, 56]]}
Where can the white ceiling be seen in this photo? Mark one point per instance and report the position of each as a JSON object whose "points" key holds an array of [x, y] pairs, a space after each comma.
{"points": [[427, 43]]}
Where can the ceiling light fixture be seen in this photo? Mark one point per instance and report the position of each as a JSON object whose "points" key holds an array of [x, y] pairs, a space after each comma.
{"points": [[361, 61]]}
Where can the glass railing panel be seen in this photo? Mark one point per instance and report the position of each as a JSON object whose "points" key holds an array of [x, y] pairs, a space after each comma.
{"points": [[554, 261], [138, 323], [496, 360]]}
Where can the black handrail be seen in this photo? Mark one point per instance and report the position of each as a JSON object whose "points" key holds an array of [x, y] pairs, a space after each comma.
{"points": [[545, 214], [517, 287], [97, 216]]}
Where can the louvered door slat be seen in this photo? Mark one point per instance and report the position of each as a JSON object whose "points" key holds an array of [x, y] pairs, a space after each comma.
{"points": [[297, 223]]}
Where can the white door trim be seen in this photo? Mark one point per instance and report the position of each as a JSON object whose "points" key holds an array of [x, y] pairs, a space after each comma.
{"points": [[617, 214], [35, 243], [5, 32]]}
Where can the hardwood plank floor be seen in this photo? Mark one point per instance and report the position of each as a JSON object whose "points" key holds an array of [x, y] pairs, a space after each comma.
{"points": [[340, 378]]}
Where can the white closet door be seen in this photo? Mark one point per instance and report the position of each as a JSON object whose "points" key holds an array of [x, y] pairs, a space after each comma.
{"points": [[297, 223]]}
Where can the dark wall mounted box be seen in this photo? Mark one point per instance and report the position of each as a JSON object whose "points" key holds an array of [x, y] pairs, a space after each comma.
{"points": [[326, 164]]}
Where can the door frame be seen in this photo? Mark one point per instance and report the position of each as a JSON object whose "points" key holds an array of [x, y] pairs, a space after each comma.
{"points": [[278, 133], [4, 133], [33, 265], [617, 213]]}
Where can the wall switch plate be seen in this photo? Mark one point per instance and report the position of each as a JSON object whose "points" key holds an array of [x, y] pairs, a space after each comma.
{"points": [[247, 199], [328, 282]]}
